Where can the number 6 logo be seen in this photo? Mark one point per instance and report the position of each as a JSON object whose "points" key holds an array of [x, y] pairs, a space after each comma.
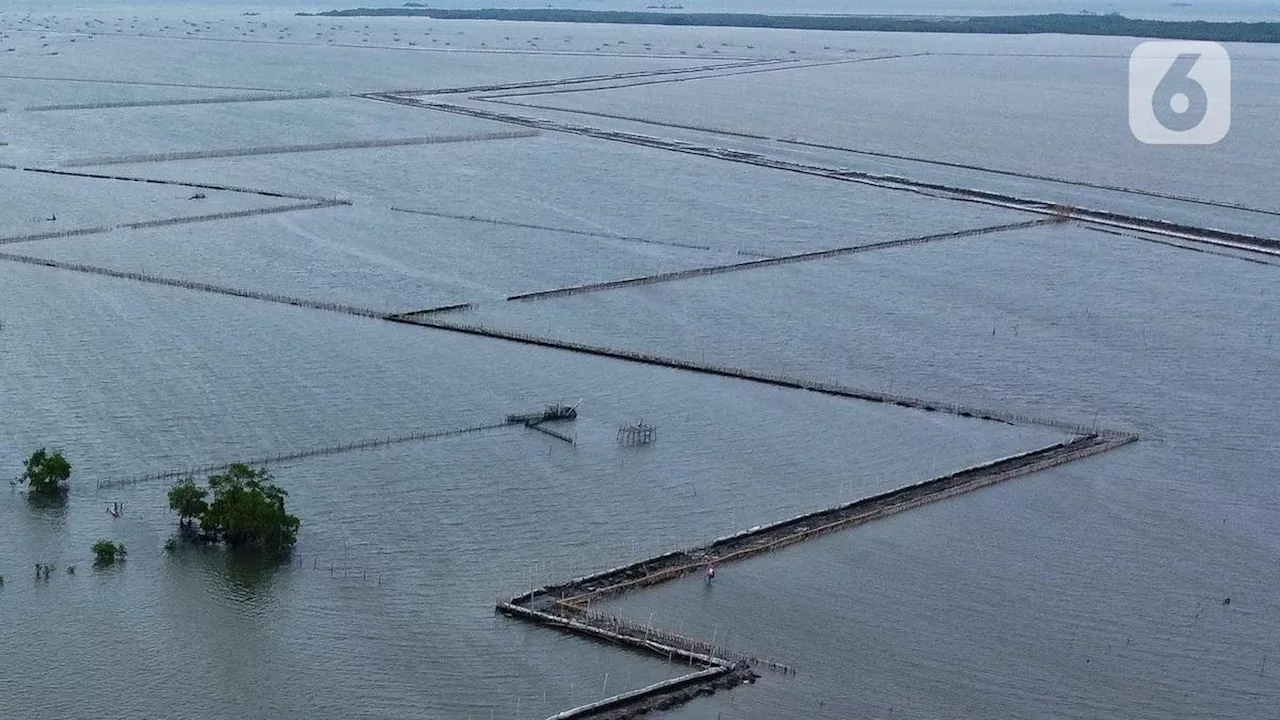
{"points": [[1179, 93]]}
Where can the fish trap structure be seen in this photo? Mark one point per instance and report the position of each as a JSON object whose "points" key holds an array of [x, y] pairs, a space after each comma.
{"points": [[638, 434], [549, 414]]}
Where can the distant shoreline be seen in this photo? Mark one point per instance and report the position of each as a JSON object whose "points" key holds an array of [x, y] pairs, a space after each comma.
{"points": [[1061, 24]]}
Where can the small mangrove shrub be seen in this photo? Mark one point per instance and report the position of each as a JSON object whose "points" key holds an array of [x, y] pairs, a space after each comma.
{"points": [[107, 552], [46, 475]]}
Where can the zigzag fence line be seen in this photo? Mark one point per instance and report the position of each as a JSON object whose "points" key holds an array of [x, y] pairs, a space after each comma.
{"points": [[302, 148], [565, 606], [366, 444]]}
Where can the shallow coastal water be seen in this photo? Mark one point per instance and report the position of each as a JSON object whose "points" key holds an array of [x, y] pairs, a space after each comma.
{"points": [[1091, 590]]}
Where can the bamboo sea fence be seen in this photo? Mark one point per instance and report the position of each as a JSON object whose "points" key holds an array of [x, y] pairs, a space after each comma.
{"points": [[277, 458]]}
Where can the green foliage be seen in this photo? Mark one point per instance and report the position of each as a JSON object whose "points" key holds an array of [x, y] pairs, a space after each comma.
{"points": [[248, 511], [46, 475], [188, 500], [107, 552], [43, 570]]}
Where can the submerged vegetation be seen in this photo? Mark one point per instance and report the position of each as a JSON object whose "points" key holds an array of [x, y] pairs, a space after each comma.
{"points": [[1059, 23], [247, 510], [46, 475]]}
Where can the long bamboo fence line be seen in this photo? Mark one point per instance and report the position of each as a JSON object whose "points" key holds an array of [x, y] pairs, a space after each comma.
{"points": [[892, 156], [772, 261], [338, 568], [300, 148], [180, 220], [302, 454], [773, 66], [55, 234], [703, 680], [267, 96], [572, 624], [586, 79], [894, 182], [194, 285], [624, 626], [769, 538], [552, 228], [552, 433], [1191, 246], [141, 83], [456, 307], [980, 168], [827, 388], [230, 214], [627, 118], [176, 183]]}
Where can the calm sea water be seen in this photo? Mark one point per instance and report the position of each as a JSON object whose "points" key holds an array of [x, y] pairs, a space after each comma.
{"points": [[1221, 10], [1094, 590], [1091, 591]]}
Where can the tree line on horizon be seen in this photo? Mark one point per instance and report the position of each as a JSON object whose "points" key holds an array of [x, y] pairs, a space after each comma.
{"points": [[1112, 24]]}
